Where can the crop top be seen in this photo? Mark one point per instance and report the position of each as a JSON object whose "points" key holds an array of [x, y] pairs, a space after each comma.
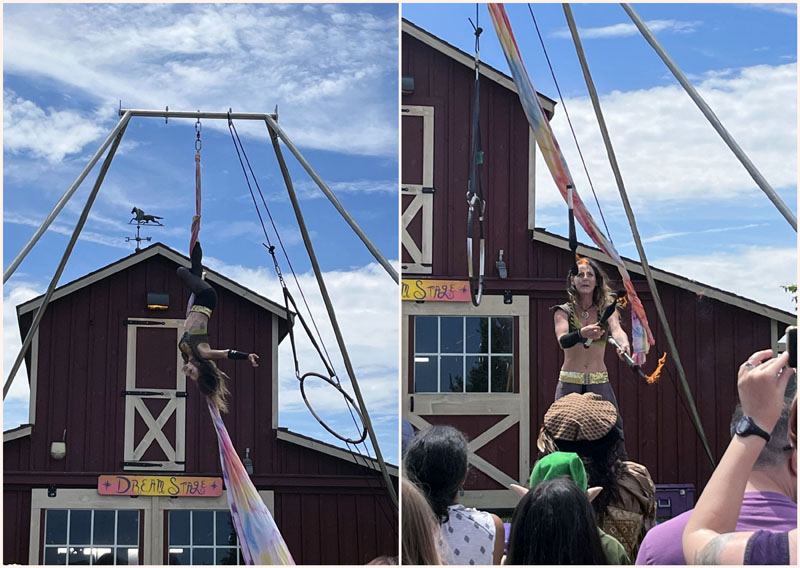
{"points": [[191, 339]]}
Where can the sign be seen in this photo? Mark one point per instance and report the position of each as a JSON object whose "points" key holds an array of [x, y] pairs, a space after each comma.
{"points": [[424, 290], [166, 485]]}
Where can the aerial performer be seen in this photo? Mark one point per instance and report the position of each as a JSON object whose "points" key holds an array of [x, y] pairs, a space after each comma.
{"points": [[194, 346], [584, 325]]}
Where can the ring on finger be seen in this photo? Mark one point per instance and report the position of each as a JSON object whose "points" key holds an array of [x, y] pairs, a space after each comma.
{"points": [[748, 365]]}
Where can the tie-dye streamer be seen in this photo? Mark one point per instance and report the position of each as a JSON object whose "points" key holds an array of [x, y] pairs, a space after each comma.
{"points": [[641, 336], [259, 537]]}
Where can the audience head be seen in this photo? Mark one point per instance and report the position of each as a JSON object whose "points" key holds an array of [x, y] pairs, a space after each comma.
{"points": [[554, 524], [559, 464], [584, 424], [793, 424], [775, 454], [436, 461], [420, 528]]}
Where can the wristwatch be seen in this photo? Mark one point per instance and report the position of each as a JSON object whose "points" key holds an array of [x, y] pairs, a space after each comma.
{"points": [[746, 427]]}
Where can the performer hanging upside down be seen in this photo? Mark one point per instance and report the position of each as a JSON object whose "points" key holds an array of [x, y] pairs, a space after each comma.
{"points": [[576, 322], [196, 352]]}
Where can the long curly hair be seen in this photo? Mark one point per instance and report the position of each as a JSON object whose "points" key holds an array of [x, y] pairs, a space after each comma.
{"points": [[554, 524], [602, 295], [211, 381], [603, 462], [436, 461]]}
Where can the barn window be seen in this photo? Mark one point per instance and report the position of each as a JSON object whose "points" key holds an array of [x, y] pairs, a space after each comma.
{"points": [[463, 354], [203, 537], [90, 536]]}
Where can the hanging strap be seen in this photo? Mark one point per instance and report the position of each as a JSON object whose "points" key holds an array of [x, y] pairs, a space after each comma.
{"points": [[475, 201], [198, 145]]}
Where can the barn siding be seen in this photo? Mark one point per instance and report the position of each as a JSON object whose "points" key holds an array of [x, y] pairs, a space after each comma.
{"points": [[448, 86], [82, 353], [712, 336]]}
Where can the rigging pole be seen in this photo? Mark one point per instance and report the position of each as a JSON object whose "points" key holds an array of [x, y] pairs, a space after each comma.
{"points": [[632, 221]]}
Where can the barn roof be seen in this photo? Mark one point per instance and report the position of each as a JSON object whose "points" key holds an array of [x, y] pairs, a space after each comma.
{"points": [[468, 60], [542, 236], [159, 249]]}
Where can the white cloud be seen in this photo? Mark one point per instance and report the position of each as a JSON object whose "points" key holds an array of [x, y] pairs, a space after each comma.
{"points": [[46, 133], [332, 70], [629, 29], [15, 405], [668, 152], [786, 8], [366, 303], [756, 273], [307, 189]]}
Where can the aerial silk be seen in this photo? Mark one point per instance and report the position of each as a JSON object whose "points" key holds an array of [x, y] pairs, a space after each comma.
{"points": [[259, 538], [642, 337]]}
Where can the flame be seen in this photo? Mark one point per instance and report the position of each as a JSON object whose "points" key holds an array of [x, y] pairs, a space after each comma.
{"points": [[655, 375], [622, 302]]}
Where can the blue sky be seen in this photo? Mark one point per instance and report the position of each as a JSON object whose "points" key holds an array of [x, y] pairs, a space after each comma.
{"points": [[698, 211], [332, 71]]}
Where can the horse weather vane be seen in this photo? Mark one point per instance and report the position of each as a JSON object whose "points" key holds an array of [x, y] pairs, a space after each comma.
{"points": [[141, 218]]}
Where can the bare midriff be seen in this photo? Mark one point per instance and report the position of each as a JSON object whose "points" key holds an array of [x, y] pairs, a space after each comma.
{"points": [[585, 359]]}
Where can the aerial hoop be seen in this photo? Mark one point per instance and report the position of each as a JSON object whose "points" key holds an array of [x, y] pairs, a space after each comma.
{"points": [[348, 399]]}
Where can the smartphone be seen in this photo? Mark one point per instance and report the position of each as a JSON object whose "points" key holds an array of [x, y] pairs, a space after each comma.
{"points": [[791, 345]]}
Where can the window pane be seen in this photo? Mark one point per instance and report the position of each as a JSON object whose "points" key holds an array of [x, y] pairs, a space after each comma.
{"points": [[477, 374], [56, 531], [128, 556], [226, 556], [79, 554], [203, 555], [452, 374], [55, 554], [226, 534], [79, 524], [179, 556], [128, 527], [425, 334], [104, 527], [179, 528], [502, 335], [452, 334], [202, 527], [425, 373], [502, 374], [103, 556], [477, 335]]}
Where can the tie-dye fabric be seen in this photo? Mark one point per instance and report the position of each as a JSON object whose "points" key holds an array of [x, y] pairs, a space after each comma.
{"points": [[258, 534], [641, 336]]}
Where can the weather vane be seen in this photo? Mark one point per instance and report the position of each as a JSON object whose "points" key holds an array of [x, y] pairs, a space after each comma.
{"points": [[141, 218]]}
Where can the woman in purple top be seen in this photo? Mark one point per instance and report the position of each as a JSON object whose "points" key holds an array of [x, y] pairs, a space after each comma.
{"points": [[708, 538]]}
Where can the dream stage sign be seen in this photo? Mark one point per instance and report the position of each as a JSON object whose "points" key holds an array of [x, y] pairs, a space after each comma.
{"points": [[159, 485]]}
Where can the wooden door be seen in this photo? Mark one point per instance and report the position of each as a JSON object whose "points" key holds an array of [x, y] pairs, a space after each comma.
{"points": [[496, 422], [155, 397], [417, 191]]}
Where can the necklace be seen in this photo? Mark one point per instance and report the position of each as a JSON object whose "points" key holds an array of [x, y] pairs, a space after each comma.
{"points": [[585, 313]]}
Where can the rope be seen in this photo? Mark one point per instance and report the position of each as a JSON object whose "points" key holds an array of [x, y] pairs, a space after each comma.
{"points": [[198, 145], [332, 379], [574, 136]]}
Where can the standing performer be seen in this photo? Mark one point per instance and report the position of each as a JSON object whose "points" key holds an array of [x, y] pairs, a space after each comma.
{"points": [[196, 352], [583, 336]]}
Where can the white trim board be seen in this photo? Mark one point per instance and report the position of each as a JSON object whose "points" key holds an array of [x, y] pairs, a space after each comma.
{"points": [[674, 280]]}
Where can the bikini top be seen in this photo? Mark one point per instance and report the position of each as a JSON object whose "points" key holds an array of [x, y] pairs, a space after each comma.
{"points": [[575, 323], [190, 340]]}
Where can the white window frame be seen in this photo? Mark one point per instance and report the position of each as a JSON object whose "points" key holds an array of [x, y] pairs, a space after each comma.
{"points": [[152, 543], [464, 354]]}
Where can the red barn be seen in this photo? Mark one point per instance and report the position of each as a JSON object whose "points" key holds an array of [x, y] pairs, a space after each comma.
{"points": [[105, 379], [491, 370]]}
